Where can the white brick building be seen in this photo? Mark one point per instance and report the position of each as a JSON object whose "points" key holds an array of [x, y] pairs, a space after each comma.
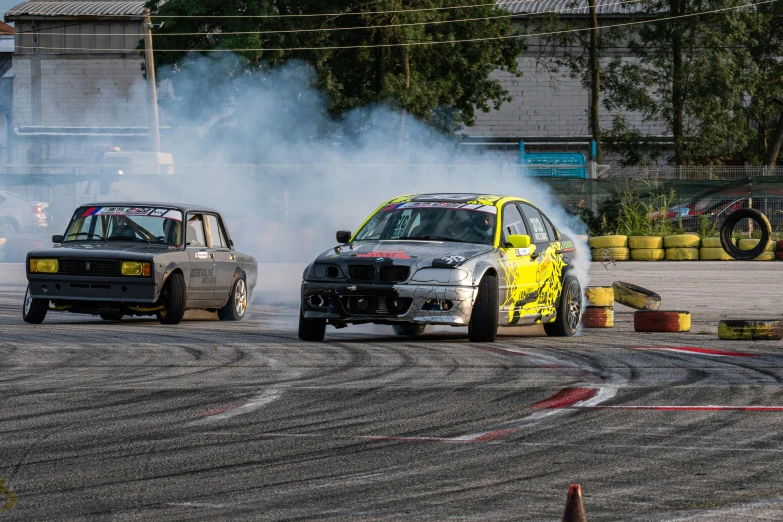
{"points": [[78, 82]]}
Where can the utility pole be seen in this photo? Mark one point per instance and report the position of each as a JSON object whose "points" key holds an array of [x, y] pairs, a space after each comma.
{"points": [[595, 83], [152, 91]]}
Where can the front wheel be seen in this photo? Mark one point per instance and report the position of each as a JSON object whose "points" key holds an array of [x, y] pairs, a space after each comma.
{"points": [[311, 329], [483, 326], [237, 304], [173, 300], [569, 310], [34, 309]]}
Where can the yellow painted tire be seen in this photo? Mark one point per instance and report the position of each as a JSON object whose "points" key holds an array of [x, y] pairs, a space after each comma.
{"points": [[766, 256], [648, 254], [750, 330], [609, 242], [636, 242], [598, 317], [682, 241], [713, 242], [662, 321], [635, 296], [714, 254], [581, 238], [611, 254], [599, 296], [682, 254], [747, 244]]}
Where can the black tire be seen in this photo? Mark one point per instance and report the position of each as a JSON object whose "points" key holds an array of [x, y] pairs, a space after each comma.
{"points": [[483, 327], [34, 309], [569, 309], [409, 329], [237, 302], [173, 298], [728, 228], [111, 317], [312, 330]]}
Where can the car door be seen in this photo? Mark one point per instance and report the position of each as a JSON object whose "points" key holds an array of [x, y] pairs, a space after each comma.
{"points": [[201, 287], [517, 285], [225, 259], [548, 259]]}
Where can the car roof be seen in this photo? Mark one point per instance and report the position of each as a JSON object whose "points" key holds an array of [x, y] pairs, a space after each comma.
{"points": [[457, 197], [184, 207]]}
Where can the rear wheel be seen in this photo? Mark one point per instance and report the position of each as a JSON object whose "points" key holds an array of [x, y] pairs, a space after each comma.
{"points": [[311, 329], [34, 310], [409, 329], [111, 317], [569, 310], [173, 300], [483, 326], [237, 304]]}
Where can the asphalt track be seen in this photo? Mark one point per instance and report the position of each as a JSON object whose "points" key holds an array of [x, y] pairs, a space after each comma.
{"points": [[216, 421]]}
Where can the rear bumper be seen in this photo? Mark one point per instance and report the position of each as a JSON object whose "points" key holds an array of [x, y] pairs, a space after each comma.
{"points": [[94, 289], [421, 303]]}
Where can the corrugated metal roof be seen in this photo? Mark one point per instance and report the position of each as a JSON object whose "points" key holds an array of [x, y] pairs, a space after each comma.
{"points": [[83, 8], [567, 7]]}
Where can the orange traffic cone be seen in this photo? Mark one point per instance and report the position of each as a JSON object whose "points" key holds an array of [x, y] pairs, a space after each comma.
{"points": [[574, 510]]}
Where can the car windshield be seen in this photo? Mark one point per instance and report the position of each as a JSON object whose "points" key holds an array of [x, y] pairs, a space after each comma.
{"points": [[432, 221], [144, 224]]}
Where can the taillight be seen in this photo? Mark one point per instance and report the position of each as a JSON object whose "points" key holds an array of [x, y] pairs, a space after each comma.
{"points": [[39, 208]]}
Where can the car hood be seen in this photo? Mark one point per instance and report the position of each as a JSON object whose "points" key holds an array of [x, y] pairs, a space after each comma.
{"points": [[101, 249], [420, 253]]}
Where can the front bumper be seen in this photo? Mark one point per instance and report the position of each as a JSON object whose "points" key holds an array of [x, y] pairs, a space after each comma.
{"points": [[119, 290], [423, 304]]}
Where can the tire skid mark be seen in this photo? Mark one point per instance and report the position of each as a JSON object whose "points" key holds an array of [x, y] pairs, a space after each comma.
{"points": [[709, 352]]}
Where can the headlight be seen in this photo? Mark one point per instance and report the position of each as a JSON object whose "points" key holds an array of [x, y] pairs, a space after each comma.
{"points": [[135, 268], [439, 275], [44, 266]]}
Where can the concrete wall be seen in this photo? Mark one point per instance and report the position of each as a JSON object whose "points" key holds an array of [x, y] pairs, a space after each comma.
{"points": [[545, 105], [77, 90]]}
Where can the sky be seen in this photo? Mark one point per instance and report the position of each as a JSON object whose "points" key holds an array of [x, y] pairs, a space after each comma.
{"points": [[5, 5]]}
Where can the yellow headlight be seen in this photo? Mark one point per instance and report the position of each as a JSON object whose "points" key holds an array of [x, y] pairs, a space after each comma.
{"points": [[44, 266], [135, 268]]}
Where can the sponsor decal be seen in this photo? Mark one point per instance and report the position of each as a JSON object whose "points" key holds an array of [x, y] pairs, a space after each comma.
{"points": [[489, 209], [389, 255], [452, 260], [521, 252], [201, 255], [134, 211], [207, 275], [351, 288]]}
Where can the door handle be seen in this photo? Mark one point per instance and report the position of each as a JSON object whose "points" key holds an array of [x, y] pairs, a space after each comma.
{"points": [[212, 256]]}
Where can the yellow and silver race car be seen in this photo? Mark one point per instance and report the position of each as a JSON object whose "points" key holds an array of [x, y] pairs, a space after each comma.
{"points": [[480, 261]]}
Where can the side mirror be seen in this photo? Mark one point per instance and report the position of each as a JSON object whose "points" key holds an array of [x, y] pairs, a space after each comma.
{"points": [[57, 238], [343, 236], [518, 241]]}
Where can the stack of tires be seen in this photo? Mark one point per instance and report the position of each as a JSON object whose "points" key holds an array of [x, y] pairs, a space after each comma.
{"points": [[682, 247], [599, 312], [610, 248], [712, 250], [2, 249], [767, 255], [646, 248]]}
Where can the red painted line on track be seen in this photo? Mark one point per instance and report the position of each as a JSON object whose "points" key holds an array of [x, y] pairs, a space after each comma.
{"points": [[217, 411], [492, 436], [693, 349], [566, 397]]}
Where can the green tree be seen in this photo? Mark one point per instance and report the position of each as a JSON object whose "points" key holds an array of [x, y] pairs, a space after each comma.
{"points": [[691, 74], [766, 110], [442, 84]]}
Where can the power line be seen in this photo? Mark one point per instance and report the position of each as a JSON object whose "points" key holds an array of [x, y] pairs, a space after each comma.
{"points": [[333, 29], [414, 44]]}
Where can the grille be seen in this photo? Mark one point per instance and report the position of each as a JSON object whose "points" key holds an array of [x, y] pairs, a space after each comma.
{"points": [[371, 305], [394, 273], [361, 272], [78, 267]]}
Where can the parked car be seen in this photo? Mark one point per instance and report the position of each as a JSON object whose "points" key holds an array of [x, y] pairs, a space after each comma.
{"points": [[715, 209], [124, 259], [479, 261], [20, 214]]}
